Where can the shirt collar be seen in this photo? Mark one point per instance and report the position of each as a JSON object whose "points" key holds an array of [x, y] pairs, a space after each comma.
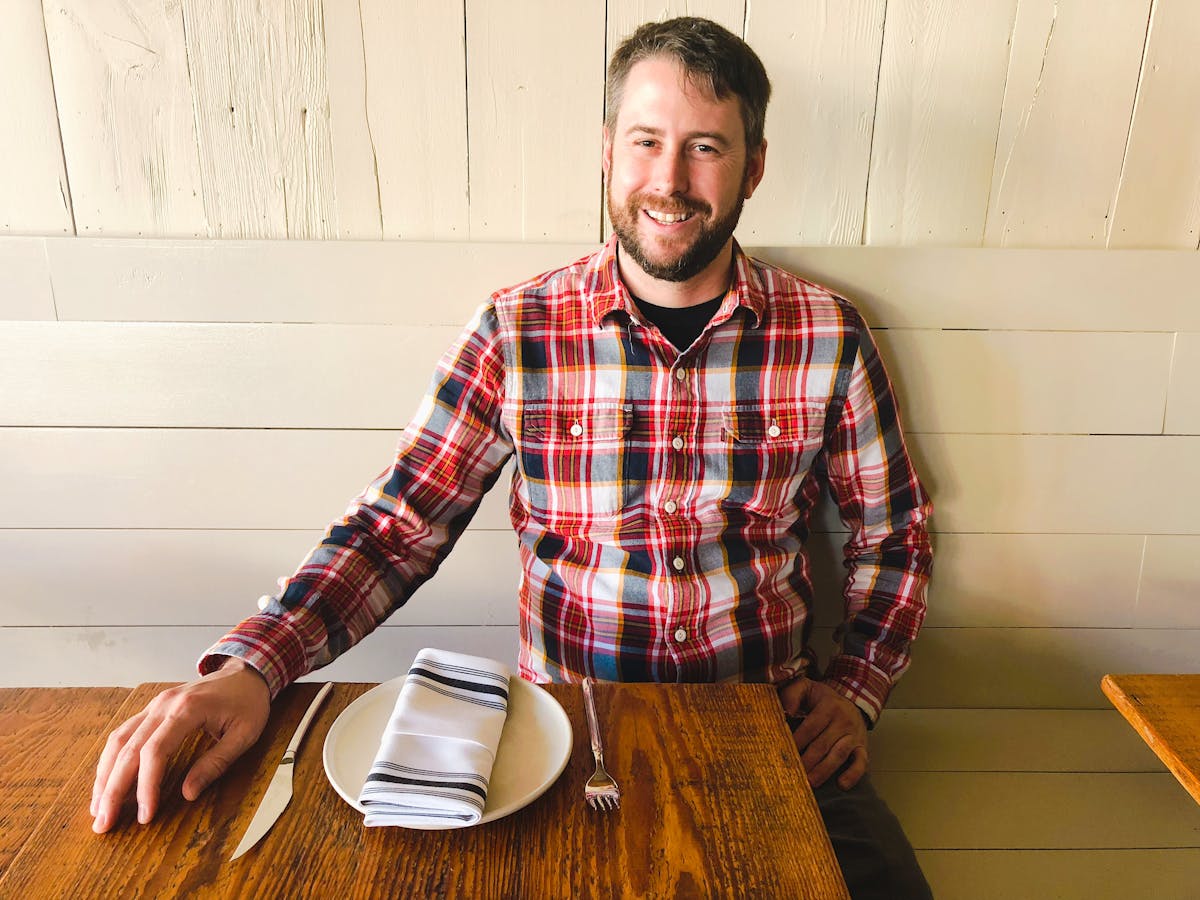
{"points": [[607, 295]]}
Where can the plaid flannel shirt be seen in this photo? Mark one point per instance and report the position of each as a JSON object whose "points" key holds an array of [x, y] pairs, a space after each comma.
{"points": [[661, 499]]}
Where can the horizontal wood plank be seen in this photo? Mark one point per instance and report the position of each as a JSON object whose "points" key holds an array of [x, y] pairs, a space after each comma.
{"points": [[1052, 484], [1167, 594], [185, 478], [211, 375], [1036, 580], [316, 376], [1008, 740], [1062, 874], [1011, 289], [62, 657], [1045, 811], [415, 283], [1183, 394], [186, 577], [364, 282], [120, 576], [1057, 668], [25, 291], [952, 668], [1065, 484], [1021, 382]]}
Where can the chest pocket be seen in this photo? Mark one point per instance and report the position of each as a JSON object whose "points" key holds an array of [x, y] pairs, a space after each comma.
{"points": [[573, 458], [769, 450]]}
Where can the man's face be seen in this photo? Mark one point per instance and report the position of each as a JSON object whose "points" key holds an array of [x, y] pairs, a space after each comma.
{"points": [[676, 171]]}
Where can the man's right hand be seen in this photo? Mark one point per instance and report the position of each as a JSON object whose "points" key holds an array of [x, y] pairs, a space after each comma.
{"points": [[232, 704]]}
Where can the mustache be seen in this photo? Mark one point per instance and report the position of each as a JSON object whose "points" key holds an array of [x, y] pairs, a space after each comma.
{"points": [[671, 206]]}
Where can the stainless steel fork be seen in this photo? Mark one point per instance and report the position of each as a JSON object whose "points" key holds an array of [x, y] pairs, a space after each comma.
{"points": [[601, 791]]}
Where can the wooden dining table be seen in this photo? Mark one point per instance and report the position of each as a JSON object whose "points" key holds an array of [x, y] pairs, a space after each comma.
{"points": [[714, 803], [1165, 711]]}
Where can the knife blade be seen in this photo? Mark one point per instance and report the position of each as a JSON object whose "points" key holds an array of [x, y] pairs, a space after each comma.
{"points": [[279, 791]]}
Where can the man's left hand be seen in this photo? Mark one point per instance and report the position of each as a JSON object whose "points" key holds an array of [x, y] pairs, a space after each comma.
{"points": [[833, 731]]}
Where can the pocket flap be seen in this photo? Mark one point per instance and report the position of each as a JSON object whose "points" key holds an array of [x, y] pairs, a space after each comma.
{"points": [[782, 423], [577, 421]]}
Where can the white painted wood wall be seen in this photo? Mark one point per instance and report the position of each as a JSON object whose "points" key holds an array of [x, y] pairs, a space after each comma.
{"points": [[238, 234], [1014, 123]]}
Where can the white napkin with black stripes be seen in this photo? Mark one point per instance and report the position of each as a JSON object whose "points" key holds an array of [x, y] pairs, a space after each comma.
{"points": [[436, 755]]}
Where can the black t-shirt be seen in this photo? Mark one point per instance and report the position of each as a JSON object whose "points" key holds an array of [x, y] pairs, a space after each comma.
{"points": [[680, 326]]}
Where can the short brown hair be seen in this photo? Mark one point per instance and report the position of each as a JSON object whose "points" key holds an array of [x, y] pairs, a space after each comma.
{"points": [[713, 56]]}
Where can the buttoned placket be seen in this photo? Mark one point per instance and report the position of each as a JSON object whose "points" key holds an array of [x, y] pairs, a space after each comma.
{"points": [[681, 425]]}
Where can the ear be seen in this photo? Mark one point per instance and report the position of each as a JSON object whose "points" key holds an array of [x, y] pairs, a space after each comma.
{"points": [[606, 155], [755, 168]]}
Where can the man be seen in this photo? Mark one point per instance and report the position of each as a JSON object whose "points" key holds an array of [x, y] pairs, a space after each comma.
{"points": [[674, 409]]}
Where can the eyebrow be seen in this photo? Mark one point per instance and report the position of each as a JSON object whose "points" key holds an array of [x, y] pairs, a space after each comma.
{"points": [[713, 137]]}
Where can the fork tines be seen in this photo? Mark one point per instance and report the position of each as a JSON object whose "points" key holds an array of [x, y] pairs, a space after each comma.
{"points": [[601, 791]]}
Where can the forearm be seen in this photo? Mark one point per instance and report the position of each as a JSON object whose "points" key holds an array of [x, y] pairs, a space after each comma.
{"points": [[888, 554], [395, 534], [885, 602]]}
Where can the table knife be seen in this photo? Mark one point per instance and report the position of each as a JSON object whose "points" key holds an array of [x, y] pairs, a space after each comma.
{"points": [[279, 791]]}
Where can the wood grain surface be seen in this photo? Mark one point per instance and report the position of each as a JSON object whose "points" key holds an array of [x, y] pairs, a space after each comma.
{"points": [[715, 804], [40, 746], [1165, 710]]}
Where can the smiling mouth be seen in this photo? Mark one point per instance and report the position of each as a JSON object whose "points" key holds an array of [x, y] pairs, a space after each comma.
{"points": [[663, 218]]}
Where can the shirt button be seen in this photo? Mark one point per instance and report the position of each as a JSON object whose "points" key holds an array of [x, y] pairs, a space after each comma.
{"points": [[264, 601], [681, 374], [678, 563], [774, 430], [670, 506], [680, 635], [576, 429], [677, 443]]}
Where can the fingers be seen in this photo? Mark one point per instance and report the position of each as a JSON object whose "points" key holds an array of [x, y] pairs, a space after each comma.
{"points": [[820, 771], [232, 704], [158, 748], [831, 734], [108, 757], [216, 761], [855, 771], [136, 754]]}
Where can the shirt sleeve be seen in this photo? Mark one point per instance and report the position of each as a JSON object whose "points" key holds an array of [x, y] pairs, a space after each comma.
{"points": [[888, 554], [395, 534]]}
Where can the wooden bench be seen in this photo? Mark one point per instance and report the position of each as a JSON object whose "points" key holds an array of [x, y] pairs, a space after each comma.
{"points": [[181, 419]]}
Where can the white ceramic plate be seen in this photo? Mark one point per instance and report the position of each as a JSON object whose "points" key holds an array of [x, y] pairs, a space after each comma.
{"points": [[534, 746]]}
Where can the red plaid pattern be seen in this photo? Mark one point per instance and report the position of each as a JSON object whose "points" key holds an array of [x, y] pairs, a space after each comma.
{"points": [[661, 499]]}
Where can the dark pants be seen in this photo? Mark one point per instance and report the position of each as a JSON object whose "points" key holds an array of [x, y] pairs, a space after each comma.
{"points": [[876, 858]]}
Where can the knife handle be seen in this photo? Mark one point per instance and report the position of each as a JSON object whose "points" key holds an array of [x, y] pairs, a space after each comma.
{"points": [[289, 755]]}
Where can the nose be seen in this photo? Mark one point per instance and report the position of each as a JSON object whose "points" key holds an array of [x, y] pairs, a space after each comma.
{"points": [[671, 172]]}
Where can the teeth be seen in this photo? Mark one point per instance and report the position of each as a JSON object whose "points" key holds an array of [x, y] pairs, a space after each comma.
{"points": [[668, 218]]}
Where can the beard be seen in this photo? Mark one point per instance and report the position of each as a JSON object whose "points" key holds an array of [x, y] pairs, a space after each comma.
{"points": [[690, 260]]}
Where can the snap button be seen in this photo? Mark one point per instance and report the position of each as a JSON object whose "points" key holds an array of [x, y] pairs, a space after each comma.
{"points": [[680, 635], [264, 601], [774, 430], [680, 374], [670, 506], [677, 443], [576, 429], [678, 563]]}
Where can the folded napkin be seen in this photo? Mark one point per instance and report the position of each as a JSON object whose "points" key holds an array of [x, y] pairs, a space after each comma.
{"points": [[436, 755]]}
